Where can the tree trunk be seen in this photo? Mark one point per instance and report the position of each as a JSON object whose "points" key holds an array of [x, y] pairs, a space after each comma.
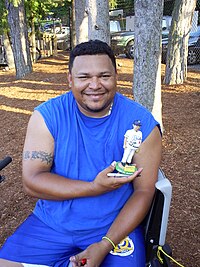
{"points": [[98, 20], [8, 50], [147, 55], [33, 40], [177, 51], [19, 38], [80, 21], [91, 20]]}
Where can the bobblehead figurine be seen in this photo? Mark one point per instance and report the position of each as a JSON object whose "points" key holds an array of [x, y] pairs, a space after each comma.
{"points": [[132, 141]]}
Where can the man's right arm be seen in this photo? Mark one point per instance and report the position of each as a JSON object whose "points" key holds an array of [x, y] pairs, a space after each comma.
{"points": [[39, 182]]}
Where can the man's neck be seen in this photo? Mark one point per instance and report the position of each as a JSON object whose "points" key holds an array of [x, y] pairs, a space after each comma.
{"points": [[106, 112]]}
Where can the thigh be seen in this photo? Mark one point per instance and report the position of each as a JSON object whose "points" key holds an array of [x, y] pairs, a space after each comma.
{"points": [[130, 252], [35, 242]]}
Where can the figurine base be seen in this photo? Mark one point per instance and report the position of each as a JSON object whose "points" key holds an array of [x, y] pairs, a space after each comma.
{"points": [[117, 174], [126, 170]]}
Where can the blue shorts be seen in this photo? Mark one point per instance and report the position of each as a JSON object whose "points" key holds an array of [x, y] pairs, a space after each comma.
{"points": [[34, 242]]}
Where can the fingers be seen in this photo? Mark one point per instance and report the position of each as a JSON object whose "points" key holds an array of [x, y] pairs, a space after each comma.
{"points": [[112, 166], [121, 179], [77, 260]]}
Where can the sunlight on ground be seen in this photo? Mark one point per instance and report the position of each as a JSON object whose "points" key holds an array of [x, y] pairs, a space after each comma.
{"points": [[29, 94], [16, 110], [125, 84]]}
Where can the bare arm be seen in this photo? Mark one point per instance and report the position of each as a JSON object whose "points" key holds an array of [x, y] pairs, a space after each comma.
{"points": [[39, 182], [137, 206]]}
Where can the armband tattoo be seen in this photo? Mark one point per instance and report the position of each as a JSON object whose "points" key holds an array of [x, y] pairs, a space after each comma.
{"points": [[43, 156]]}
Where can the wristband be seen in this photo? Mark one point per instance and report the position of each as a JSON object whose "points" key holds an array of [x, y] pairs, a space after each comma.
{"points": [[109, 240]]}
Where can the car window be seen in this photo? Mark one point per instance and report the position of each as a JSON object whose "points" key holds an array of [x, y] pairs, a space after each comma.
{"points": [[195, 34], [115, 26]]}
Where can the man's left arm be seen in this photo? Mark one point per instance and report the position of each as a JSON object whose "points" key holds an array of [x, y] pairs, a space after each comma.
{"points": [[136, 208]]}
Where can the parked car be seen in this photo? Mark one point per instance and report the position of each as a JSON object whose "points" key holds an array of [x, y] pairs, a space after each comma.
{"points": [[193, 48], [63, 38], [123, 42], [115, 26], [51, 26], [62, 33], [116, 13]]}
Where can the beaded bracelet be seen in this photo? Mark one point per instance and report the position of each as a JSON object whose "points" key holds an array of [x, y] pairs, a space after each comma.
{"points": [[109, 240]]}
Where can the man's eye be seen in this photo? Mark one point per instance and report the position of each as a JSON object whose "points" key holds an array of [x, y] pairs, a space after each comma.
{"points": [[105, 76], [82, 77]]}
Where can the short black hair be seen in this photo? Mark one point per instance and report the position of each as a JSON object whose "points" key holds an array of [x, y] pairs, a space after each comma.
{"points": [[92, 47]]}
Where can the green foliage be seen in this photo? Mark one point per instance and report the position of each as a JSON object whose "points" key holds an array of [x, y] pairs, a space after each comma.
{"points": [[62, 11], [3, 17], [16, 2], [112, 4], [126, 5], [39, 10], [36, 10]]}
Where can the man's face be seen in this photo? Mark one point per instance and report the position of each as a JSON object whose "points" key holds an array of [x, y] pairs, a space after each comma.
{"points": [[93, 83]]}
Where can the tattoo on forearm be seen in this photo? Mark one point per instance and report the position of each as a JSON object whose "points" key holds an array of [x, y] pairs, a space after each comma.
{"points": [[43, 156]]}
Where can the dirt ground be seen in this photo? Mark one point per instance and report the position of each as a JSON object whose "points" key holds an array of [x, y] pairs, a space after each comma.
{"points": [[181, 118]]}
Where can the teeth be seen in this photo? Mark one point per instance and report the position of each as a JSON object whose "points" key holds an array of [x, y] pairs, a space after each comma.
{"points": [[96, 94]]}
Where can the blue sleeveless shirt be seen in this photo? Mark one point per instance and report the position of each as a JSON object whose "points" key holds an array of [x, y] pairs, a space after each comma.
{"points": [[85, 146]]}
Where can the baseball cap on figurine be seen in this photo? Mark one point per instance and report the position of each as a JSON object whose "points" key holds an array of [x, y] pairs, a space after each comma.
{"points": [[137, 123]]}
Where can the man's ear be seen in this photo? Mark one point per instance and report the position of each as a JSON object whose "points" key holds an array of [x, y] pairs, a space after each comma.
{"points": [[69, 79], [117, 76]]}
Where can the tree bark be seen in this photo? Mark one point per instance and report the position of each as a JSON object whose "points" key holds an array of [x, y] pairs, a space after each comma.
{"points": [[8, 50], [98, 20], [19, 38], [91, 20], [177, 51], [33, 39], [80, 22], [147, 55]]}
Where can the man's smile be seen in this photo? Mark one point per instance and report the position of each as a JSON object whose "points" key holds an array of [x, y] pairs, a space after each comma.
{"points": [[95, 96]]}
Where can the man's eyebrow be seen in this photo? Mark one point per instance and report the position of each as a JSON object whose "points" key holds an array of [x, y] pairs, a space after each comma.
{"points": [[82, 73], [87, 73], [106, 72]]}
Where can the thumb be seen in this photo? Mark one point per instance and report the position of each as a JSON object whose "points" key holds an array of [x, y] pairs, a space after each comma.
{"points": [[112, 166]]}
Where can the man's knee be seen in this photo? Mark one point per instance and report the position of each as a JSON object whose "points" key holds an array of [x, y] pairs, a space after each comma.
{"points": [[6, 263]]}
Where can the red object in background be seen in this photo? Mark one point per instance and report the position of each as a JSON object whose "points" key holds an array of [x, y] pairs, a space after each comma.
{"points": [[83, 262]]}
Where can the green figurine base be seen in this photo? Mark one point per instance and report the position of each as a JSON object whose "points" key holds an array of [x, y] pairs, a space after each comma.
{"points": [[127, 169]]}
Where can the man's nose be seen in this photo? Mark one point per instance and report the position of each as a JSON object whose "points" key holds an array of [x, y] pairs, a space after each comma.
{"points": [[95, 82]]}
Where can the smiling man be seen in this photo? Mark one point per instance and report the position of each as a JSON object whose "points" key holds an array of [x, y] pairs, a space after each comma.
{"points": [[93, 81], [72, 142]]}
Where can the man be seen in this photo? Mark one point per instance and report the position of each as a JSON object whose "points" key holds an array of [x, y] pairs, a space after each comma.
{"points": [[83, 215]]}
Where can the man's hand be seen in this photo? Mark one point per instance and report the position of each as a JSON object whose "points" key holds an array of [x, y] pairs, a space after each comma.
{"points": [[103, 183], [92, 256]]}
